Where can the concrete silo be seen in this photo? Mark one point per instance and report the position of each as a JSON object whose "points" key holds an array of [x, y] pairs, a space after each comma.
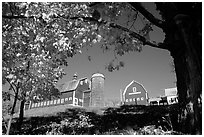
{"points": [[97, 90]]}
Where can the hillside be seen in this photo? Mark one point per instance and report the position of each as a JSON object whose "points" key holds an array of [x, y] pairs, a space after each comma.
{"points": [[122, 120]]}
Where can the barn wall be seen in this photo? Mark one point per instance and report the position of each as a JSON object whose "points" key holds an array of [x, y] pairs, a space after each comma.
{"points": [[83, 85], [87, 97]]}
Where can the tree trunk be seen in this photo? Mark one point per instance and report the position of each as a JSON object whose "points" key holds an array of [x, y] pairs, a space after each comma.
{"points": [[12, 112], [21, 115], [186, 53]]}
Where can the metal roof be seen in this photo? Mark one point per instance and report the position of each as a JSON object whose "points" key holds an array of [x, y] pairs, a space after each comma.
{"points": [[71, 85]]}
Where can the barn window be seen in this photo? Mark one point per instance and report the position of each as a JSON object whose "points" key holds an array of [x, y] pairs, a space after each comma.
{"points": [[45, 103], [134, 89], [66, 99], [62, 100], [134, 99], [33, 105], [81, 82], [58, 101], [130, 100], [138, 99], [126, 100], [142, 98], [70, 98], [48, 102], [41, 104]]}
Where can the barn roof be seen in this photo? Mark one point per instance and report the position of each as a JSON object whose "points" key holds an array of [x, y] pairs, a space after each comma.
{"points": [[98, 75], [71, 85]]}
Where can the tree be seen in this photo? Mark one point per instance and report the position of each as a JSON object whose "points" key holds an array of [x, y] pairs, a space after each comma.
{"points": [[29, 63], [57, 31]]}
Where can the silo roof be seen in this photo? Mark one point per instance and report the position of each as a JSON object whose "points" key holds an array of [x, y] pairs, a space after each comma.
{"points": [[97, 75]]}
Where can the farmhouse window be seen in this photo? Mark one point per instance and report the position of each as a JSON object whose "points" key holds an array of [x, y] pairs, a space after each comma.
{"points": [[138, 99], [126, 100], [45, 103], [36, 104], [70, 98], [33, 105], [62, 100], [142, 98], [134, 99], [130, 100]]}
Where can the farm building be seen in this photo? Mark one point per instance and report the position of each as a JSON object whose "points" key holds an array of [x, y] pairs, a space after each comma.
{"points": [[77, 92], [170, 97], [134, 94]]}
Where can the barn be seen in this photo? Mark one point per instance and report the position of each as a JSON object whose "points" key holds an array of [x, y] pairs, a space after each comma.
{"points": [[77, 92], [134, 94]]}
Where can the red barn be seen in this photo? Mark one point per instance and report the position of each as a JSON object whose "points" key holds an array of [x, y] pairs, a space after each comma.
{"points": [[76, 90], [135, 94]]}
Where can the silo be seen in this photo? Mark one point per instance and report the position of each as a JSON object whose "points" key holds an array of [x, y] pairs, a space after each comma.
{"points": [[97, 90]]}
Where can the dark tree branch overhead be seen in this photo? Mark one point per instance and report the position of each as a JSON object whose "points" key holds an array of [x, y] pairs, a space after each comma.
{"points": [[138, 7]]}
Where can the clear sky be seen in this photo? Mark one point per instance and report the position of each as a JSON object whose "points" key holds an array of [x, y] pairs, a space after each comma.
{"points": [[150, 67]]}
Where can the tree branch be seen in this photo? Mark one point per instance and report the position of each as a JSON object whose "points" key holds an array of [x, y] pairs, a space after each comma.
{"points": [[12, 86], [113, 25], [139, 37], [17, 17], [138, 7]]}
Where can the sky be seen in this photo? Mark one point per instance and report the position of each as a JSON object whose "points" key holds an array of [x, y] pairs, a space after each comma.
{"points": [[151, 67]]}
